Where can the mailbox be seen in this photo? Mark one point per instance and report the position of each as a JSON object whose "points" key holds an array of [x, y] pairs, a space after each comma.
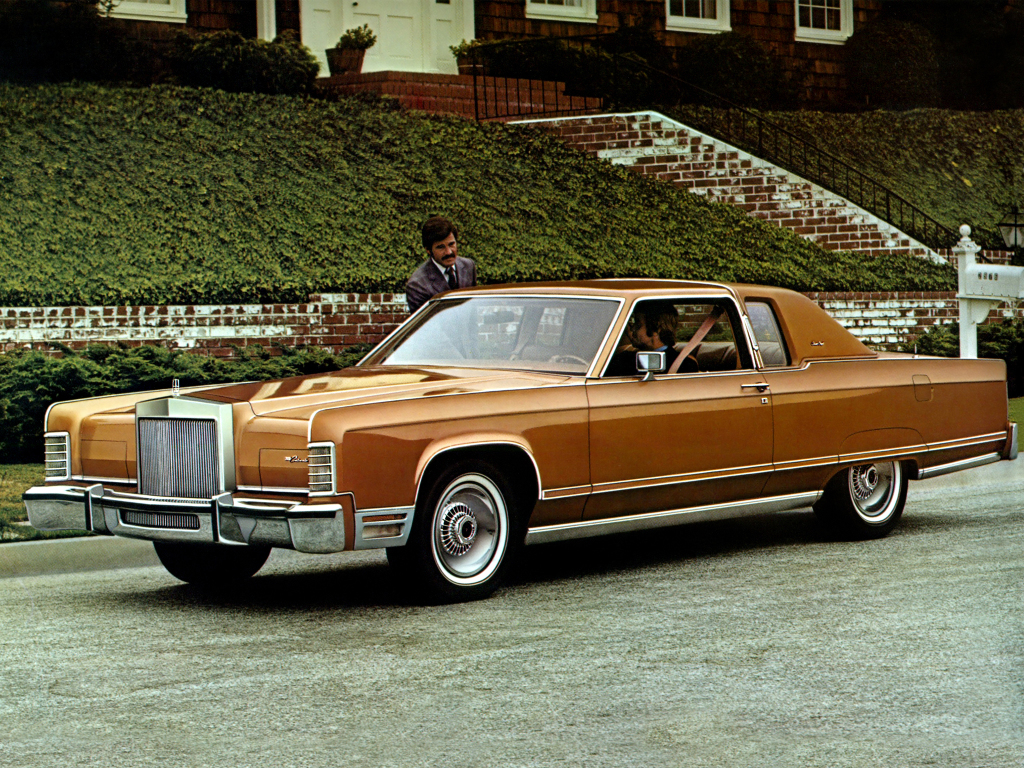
{"points": [[982, 288], [984, 281]]}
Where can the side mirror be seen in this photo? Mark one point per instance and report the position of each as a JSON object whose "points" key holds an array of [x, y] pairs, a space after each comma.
{"points": [[650, 363]]}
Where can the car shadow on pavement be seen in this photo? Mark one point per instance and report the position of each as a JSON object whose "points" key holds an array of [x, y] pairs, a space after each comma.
{"points": [[311, 583], [627, 551]]}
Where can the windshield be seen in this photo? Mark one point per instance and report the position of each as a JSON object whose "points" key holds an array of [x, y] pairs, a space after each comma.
{"points": [[549, 334]]}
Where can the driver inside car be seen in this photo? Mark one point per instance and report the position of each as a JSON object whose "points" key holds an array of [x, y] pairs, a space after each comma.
{"points": [[652, 328]]}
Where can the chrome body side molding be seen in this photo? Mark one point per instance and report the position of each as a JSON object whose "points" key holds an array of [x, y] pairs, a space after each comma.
{"points": [[957, 466], [587, 528]]}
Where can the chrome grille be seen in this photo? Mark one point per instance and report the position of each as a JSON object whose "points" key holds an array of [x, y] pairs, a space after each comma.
{"points": [[57, 456], [172, 520], [178, 458], [321, 468]]}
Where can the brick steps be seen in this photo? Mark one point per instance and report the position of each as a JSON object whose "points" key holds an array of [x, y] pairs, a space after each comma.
{"points": [[656, 146]]}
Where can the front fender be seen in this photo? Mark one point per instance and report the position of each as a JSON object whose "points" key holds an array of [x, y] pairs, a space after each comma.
{"points": [[483, 439]]}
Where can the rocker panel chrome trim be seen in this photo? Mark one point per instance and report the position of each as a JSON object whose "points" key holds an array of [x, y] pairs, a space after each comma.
{"points": [[587, 528], [957, 466]]}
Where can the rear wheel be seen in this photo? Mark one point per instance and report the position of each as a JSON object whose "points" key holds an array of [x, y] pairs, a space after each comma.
{"points": [[465, 534], [866, 501], [210, 565]]}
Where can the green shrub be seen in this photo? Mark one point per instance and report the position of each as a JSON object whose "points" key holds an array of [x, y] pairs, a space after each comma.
{"points": [[30, 381], [737, 68], [58, 40], [615, 67], [357, 39], [228, 61], [893, 64], [1004, 341], [584, 68]]}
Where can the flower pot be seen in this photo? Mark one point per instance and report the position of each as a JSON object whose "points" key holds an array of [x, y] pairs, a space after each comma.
{"points": [[341, 60]]}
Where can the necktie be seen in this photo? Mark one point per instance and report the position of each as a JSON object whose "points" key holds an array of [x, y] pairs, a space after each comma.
{"points": [[450, 275]]}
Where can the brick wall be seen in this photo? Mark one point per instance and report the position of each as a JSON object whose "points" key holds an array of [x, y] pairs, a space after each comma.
{"points": [[884, 320], [329, 321], [818, 69], [335, 321], [455, 94]]}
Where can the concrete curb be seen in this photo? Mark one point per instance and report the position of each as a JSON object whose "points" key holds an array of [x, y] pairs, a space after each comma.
{"points": [[97, 553]]}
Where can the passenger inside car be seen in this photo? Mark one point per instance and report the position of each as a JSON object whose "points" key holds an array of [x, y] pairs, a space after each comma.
{"points": [[702, 333]]}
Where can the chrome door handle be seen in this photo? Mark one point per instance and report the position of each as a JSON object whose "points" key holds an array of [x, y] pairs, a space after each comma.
{"points": [[761, 387]]}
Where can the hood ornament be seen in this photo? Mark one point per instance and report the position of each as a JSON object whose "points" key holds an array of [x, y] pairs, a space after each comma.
{"points": [[175, 388]]}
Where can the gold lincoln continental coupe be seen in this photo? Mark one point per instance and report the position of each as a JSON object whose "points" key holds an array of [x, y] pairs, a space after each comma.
{"points": [[503, 416]]}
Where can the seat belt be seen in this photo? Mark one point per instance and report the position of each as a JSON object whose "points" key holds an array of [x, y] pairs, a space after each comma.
{"points": [[698, 337]]}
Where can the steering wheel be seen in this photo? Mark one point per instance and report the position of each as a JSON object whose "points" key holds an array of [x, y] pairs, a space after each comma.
{"points": [[568, 359]]}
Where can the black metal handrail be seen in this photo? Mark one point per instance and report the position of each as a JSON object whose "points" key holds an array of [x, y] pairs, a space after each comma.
{"points": [[502, 97]]}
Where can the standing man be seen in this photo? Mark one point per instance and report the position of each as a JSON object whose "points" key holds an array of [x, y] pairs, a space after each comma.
{"points": [[444, 270]]}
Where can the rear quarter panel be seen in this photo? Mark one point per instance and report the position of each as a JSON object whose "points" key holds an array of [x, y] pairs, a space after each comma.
{"points": [[932, 410]]}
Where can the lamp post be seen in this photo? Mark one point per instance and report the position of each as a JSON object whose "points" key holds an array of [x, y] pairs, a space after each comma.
{"points": [[1012, 229]]}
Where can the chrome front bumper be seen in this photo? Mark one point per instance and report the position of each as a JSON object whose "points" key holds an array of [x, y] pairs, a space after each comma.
{"points": [[224, 519]]}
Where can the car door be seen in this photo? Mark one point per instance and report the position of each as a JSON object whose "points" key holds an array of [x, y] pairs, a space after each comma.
{"points": [[699, 436]]}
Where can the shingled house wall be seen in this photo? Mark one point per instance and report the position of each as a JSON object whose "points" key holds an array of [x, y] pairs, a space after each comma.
{"points": [[818, 69]]}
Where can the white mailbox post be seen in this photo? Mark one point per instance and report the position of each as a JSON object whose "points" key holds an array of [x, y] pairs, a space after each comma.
{"points": [[982, 288]]}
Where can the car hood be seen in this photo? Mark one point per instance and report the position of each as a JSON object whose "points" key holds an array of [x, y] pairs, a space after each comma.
{"points": [[300, 396]]}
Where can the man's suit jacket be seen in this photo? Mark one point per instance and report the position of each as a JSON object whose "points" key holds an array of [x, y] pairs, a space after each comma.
{"points": [[427, 281]]}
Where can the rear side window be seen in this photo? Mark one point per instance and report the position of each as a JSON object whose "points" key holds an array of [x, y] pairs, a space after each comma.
{"points": [[769, 337]]}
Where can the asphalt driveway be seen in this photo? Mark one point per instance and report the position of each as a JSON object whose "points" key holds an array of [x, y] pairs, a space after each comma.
{"points": [[741, 643]]}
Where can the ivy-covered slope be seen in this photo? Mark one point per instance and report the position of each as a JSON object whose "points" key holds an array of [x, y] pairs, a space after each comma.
{"points": [[959, 167], [164, 194]]}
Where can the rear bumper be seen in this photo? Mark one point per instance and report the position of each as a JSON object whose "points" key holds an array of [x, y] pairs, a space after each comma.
{"points": [[224, 519]]}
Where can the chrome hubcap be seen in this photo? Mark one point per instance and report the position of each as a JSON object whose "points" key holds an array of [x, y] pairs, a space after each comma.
{"points": [[874, 488], [864, 481], [458, 528], [470, 530]]}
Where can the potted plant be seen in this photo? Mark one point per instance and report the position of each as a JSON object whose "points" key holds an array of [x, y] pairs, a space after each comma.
{"points": [[347, 55], [466, 57]]}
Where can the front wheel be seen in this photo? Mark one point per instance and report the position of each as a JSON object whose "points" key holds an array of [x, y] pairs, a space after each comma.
{"points": [[210, 565], [463, 538], [866, 501]]}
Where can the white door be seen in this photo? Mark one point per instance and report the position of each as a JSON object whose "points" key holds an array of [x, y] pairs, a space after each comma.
{"points": [[399, 28], [446, 29], [412, 35], [322, 25]]}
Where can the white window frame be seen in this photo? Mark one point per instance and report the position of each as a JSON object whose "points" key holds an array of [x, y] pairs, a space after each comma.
{"points": [[708, 26], [826, 36], [173, 12], [587, 13]]}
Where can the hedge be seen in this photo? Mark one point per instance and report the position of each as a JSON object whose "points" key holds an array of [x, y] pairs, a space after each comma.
{"points": [[893, 64], [179, 195], [30, 381]]}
